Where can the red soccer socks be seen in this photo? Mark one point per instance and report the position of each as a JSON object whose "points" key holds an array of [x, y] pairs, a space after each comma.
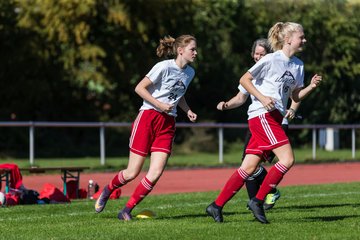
{"points": [[271, 180], [232, 186]]}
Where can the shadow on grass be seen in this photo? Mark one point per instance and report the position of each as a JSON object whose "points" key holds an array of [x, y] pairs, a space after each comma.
{"points": [[330, 218], [226, 214], [319, 207]]}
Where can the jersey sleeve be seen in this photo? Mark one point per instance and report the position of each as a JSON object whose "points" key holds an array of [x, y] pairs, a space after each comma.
{"points": [[260, 68], [156, 73], [301, 78], [243, 90]]}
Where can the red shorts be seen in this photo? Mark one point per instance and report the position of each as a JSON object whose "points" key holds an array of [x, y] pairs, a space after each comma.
{"points": [[152, 131], [266, 133]]}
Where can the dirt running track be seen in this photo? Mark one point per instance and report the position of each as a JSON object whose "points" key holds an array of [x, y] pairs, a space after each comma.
{"points": [[202, 180]]}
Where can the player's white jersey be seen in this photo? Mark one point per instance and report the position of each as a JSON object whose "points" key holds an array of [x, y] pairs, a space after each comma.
{"points": [[275, 75], [243, 91], [169, 83]]}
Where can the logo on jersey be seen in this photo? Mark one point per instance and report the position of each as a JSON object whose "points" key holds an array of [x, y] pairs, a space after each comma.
{"points": [[178, 86], [287, 77], [176, 89]]}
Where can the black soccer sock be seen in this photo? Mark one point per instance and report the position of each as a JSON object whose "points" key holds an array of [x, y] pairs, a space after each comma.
{"points": [[254, 182], [252, 187]]}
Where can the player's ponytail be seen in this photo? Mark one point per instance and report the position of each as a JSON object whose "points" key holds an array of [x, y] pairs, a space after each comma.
{"points": [[276, 37], [166, 47]]}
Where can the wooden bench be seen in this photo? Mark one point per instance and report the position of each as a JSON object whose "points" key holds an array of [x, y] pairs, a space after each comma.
{"points": [[67, 173]]}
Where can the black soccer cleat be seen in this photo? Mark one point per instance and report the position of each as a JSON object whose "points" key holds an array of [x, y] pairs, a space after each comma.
{"points": [[215, 212], [258, 211]]}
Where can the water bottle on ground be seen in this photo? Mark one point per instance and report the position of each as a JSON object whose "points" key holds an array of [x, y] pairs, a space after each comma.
{"points": [[91, 189]]}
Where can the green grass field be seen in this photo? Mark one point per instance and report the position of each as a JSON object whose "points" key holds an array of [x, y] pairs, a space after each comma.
{"points": [[303, 212]]}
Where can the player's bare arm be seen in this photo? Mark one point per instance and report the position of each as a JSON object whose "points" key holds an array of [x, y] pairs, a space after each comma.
{"points": [[291, 112], [185, 107], [142, 91], [246, 82], [299, 94], [234, 102]]}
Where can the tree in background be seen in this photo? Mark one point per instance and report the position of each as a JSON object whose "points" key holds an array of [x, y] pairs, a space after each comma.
{"points": [[71, 60], [68, 55]]}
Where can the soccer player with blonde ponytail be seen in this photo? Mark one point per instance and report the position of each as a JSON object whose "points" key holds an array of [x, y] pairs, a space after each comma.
{"points": [[279, 76]]}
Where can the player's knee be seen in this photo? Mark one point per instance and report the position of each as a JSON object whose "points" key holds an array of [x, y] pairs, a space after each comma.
{"points": [[287, 162], [130, 175], [154, 175]]}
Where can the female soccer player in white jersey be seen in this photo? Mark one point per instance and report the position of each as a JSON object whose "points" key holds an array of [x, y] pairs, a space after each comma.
{"points": [[259, 49], [153, 130], [279, 76]]}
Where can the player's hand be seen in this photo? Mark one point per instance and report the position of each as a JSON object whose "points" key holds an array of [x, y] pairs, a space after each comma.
{"points": [[290, 114], [165, 107], [192, 116], [220, 106], [316, 80], [268, 103]]}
